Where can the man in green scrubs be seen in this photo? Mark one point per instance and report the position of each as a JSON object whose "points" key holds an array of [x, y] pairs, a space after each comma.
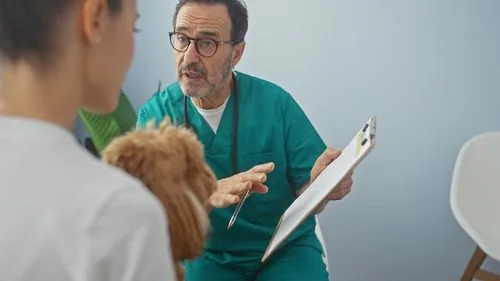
{"points": [[208, 42]]}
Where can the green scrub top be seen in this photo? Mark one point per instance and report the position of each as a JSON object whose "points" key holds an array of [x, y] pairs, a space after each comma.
{"points": [[271, 127]]}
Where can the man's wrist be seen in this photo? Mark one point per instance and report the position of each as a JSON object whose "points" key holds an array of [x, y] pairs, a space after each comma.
{"points": [[320, 208], [208, 206]]}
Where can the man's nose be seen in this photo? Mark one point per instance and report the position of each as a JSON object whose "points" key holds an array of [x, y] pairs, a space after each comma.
{"points": [[191, 54]]}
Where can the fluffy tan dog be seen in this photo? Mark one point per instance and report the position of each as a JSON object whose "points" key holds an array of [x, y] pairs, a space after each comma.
{"points": [[169, 160]]}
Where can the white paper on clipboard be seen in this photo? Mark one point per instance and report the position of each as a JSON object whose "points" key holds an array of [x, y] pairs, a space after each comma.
{"points": [[302, 207]]}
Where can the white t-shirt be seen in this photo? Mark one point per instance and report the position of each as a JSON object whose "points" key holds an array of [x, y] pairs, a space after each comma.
{"points": [[64, 215], [213, 116]]}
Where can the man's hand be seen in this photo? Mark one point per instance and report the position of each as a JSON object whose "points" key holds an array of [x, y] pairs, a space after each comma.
{"points": [[341, 190], [231, 189]]}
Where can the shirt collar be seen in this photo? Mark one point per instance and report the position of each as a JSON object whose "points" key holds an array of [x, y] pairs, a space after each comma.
{"points": [[22, 128]]}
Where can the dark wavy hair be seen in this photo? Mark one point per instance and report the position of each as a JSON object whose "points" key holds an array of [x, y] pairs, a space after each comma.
{"points": [[28, 27], [237, 12]]}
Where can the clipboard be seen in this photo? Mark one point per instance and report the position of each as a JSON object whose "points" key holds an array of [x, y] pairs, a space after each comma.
{"points": [[355, 151]]}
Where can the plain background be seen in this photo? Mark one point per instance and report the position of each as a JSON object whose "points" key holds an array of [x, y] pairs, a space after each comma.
{"points": [[428, 69]]}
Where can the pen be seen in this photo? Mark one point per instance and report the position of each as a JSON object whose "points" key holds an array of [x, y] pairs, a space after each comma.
{"points": [[237, 210]]}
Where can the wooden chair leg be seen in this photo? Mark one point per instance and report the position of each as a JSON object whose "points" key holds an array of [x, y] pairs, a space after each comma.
{"points": [[474, 264], [484, 275]]}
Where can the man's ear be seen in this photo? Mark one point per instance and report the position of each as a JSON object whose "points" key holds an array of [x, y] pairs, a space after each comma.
{"points": [[237, 53], [93, 14]]}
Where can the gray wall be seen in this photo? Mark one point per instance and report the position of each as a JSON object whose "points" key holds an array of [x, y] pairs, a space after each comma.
{"points": [[429, 70]]}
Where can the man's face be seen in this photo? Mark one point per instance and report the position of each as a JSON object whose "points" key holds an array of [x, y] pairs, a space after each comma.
{"points": [[201, 76]]}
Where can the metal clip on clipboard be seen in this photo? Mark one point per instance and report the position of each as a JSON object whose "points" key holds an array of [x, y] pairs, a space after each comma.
{"points": [[372, 125]]}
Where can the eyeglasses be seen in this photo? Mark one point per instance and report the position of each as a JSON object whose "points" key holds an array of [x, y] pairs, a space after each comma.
{"points": [[206, 47]]}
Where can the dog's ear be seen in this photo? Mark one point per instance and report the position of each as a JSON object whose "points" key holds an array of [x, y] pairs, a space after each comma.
{"points": [[207, 184], [202, 180], [187, 219], [198, 176]]}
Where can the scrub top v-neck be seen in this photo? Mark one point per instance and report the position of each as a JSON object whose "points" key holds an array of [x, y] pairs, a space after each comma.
{"points": [[213, 141]]}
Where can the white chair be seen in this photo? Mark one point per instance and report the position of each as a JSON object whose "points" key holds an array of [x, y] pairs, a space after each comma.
{"points": [[319, 233], [475, 200]]}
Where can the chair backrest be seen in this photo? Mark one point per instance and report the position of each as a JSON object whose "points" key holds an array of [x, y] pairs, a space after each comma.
{"points": [[475, 191]]}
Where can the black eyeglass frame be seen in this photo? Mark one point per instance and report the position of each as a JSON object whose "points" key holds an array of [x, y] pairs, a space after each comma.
{"points": [[196, 40]]}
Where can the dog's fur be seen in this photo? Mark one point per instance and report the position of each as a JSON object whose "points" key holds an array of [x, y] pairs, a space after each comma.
{"points": [[169, 160]]}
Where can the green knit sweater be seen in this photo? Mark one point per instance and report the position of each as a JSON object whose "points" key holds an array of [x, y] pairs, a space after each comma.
{"points": [[102, 128]]}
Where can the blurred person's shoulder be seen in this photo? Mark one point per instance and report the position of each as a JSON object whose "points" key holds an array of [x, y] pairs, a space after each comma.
{"points": [[72, 212]]}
